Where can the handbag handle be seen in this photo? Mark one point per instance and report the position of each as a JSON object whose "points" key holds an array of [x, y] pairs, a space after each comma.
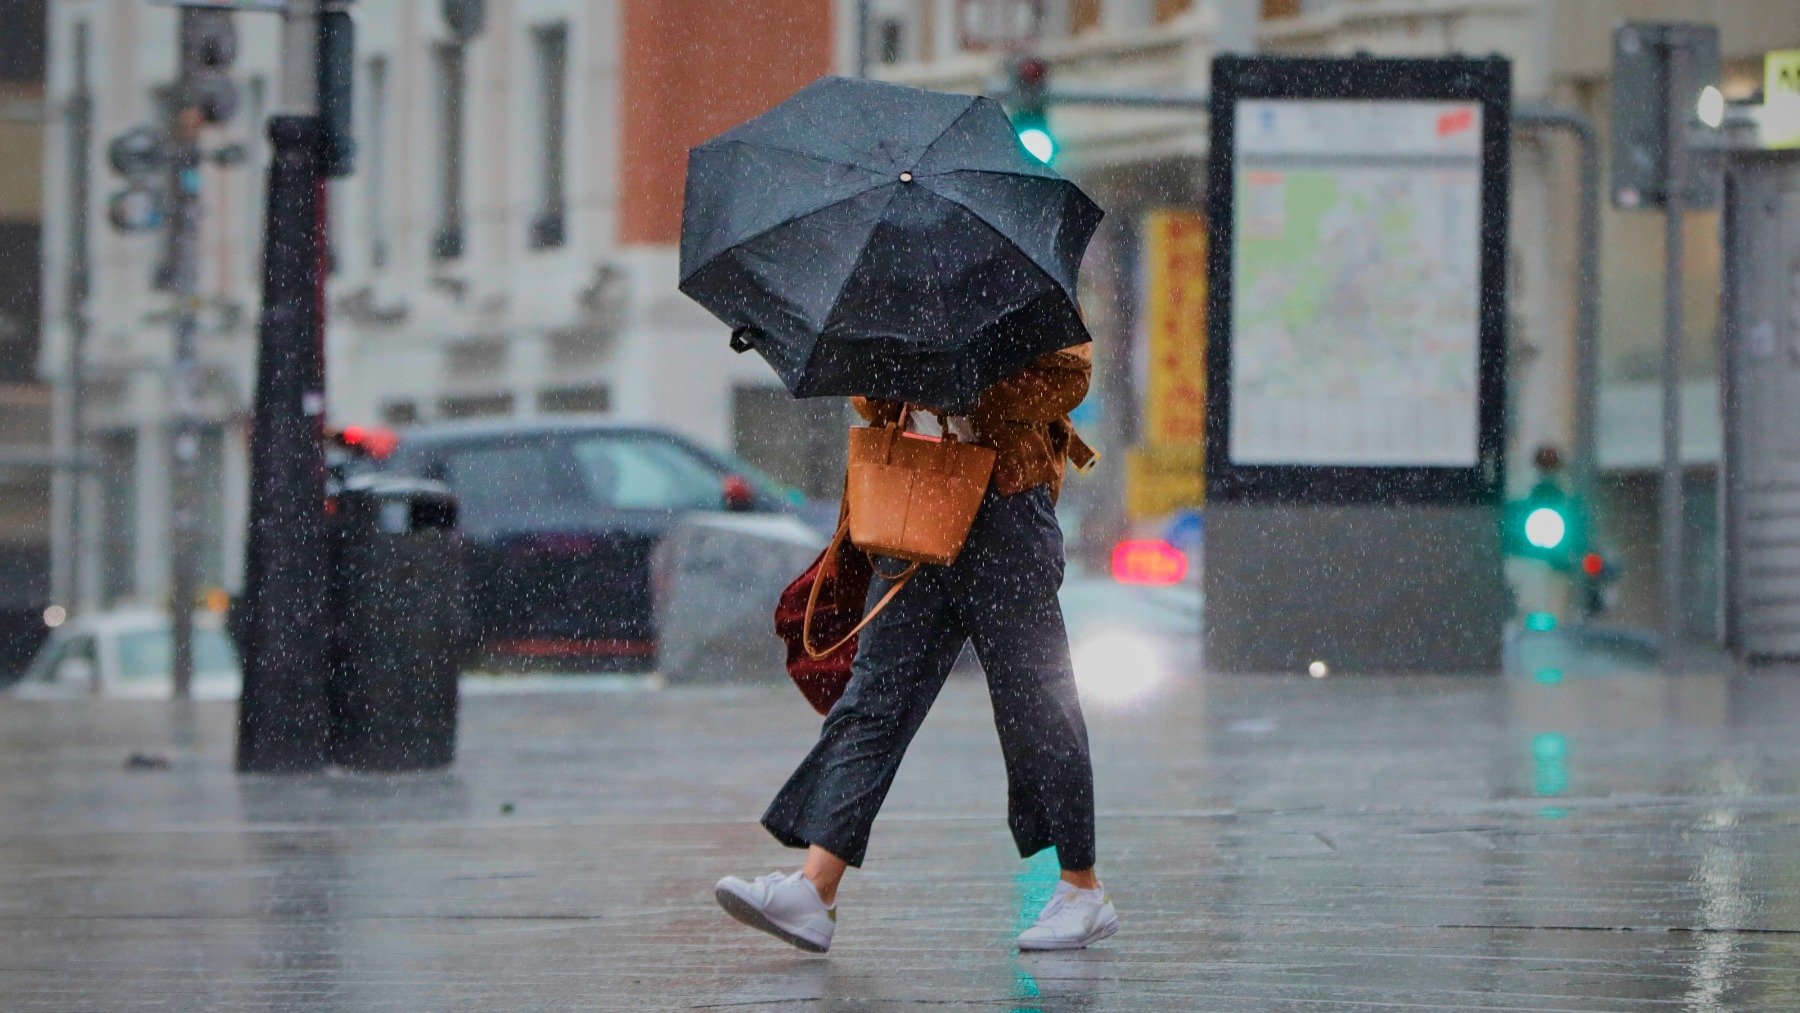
{"points": [[812, 598]]}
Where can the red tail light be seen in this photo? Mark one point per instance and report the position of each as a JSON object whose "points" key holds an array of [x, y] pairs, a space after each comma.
{"points": [[738, 493], [1152, 561], [375, 442]]}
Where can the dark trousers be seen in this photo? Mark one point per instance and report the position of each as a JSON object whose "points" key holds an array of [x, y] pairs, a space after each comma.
{"points": [[1001, 594]]}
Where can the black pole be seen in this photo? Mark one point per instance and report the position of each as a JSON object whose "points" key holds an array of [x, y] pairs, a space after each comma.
{"points": [[281, 621]]}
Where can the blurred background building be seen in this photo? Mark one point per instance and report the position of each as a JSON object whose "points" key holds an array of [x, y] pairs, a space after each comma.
{"points": [[507, 244], [506, 247], [25, 472]]}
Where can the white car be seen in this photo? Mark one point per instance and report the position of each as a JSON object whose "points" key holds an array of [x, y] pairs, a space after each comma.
{"points": [[126, 655]]}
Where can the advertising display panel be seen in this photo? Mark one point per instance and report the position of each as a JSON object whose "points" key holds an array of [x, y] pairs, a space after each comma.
{"points": [[1356, 319]]}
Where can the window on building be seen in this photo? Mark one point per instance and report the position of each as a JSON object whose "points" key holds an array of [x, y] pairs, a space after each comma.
{"points": [[118, 514], [400, 413], [1084, 16], [375, 161], [475, 406], [476, 357], [557, 400], [551, 44], [1169, 10], [888, 36], [449, 60]]}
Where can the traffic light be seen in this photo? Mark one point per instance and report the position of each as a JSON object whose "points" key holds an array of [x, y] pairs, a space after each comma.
{"points": [[1641, 65], [208, 47], [1548, 523], [336, 58], [1030, 118]]}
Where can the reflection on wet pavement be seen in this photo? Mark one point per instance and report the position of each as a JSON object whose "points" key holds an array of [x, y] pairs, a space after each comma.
{"points": [[1579, 834]]}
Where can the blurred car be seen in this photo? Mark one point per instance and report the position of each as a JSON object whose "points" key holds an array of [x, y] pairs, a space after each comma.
{"points": [[126, 654], [560, 518]]}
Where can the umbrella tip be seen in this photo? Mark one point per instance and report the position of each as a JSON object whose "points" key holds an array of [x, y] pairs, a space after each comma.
{"points": [[906, 177]]}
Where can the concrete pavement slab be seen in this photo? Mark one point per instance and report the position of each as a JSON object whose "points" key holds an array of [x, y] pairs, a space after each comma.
{"points": [[1600, 838]]}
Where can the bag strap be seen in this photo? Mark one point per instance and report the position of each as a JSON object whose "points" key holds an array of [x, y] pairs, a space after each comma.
{"points": [[812, 598]]}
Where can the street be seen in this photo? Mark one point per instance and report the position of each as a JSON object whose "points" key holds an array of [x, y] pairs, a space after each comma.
{"points": [[1581, 833]]}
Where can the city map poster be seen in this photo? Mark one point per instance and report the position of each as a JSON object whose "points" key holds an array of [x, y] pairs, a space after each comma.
{"points": [[1356, 279]]}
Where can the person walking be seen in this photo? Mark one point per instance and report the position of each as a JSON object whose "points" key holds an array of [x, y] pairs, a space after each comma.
{"points": [[1001, 594]]}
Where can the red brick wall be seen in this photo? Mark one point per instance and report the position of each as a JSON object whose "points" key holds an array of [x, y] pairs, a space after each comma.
{"points": [[692, 68]]}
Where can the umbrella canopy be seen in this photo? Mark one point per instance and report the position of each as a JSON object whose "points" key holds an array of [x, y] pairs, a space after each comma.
{"points": [[874, 239]]}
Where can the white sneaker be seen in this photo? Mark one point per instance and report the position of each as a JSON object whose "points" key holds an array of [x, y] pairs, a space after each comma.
{"points": [[783, 904], [1072, 920]]}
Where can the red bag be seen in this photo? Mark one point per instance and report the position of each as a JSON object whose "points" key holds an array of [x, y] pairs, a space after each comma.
{"points": [[824, 606]]}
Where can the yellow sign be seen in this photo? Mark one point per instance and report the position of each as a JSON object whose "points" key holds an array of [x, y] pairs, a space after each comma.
{"points": [[1781, 99], [1165, 474], [1175, 261], [1162, 480]]}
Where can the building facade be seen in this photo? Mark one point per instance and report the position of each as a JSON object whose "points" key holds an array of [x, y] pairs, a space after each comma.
{"points": [[506, 246]]}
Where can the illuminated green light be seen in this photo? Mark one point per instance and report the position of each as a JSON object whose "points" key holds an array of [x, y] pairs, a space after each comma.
{"points": [[1545, 528], [1553, 812], [1540, 622], [1039, 142], [1548, 676], [1549, 746]]}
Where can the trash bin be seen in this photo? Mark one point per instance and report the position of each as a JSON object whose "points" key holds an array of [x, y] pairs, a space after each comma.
{"points": [[401, 625]]}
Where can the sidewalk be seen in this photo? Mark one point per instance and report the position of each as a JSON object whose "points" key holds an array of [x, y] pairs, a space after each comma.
{"points": [[1566, 837]]}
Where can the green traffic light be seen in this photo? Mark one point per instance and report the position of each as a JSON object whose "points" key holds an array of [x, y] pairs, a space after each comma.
{"points": [[1038, 141], [1545, 527]]}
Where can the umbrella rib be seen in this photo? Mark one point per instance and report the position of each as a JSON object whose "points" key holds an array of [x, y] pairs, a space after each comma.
{"points": [[974, 104], [860, 254], [978, 216], [713, 145], [759, 233]]}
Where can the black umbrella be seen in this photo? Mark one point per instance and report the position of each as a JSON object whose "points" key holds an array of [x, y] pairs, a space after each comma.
{"points": [[874, 239]]}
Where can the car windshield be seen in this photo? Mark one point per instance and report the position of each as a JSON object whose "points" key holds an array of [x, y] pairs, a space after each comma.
{"points": [[146, 654], [619, 471]]}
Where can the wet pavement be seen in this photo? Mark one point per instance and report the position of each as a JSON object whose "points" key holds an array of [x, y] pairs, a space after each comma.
{"points": [[1580, 834]]}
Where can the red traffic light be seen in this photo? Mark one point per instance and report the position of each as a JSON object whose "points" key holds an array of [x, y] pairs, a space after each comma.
{"points": [[1593, 564], [1031, 71]]}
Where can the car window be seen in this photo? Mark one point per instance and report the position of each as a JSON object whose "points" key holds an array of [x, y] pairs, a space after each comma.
{"points": [[44, 668], [147, 654], [493, 480], [646, 474]]}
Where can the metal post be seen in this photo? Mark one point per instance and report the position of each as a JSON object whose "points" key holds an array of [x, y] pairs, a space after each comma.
{"points": [[69, 433], [1674, 212], [281, 622], [1584, 454], [862, 38], [184, 282], [299, 58]]}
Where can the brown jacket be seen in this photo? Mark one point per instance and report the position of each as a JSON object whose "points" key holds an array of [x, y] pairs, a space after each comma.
{"points": [[1025, 418]]}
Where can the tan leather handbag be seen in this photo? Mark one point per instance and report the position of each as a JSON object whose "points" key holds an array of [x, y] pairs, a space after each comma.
{"points": [[908, 496], [911, 496]]}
